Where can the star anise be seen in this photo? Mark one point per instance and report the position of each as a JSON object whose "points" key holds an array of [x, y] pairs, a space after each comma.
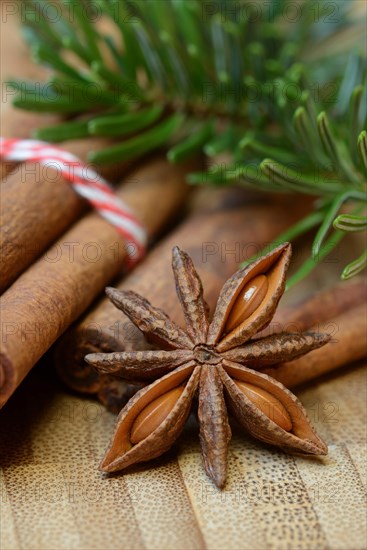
{"points": [[215, 359]]}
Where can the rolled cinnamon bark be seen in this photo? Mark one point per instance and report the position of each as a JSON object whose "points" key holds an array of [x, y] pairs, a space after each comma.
{"points": [[348, 344], [57, 288], [314, 310], [218, 237], [37, 206], [5, 169]]}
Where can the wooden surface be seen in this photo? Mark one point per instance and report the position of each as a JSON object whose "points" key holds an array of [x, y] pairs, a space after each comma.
{"points": [[52, 496]]}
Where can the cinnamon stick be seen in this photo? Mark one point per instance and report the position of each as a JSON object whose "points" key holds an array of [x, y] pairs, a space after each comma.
{"points": [[218, 237], [56, 289], [348, 344], [313, 311], [5, 169], [37, 206]]}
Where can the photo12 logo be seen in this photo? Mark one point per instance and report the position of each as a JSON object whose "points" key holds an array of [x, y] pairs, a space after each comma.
{"points": [[269, 10], [70, 10]]}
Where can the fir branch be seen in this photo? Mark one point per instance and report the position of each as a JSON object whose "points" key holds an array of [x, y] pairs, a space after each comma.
{"points": [[214, 77]]}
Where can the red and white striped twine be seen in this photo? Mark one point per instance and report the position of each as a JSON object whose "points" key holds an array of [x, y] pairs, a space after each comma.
{"points": [[86, 182]]}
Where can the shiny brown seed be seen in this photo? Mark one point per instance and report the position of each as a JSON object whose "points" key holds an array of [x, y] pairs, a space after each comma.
{"points": [[267, 403], [153, 415], [247, 301]]}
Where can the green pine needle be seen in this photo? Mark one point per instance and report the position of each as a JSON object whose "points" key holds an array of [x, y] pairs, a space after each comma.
{"points": [[350, 223], [217, 77], [355, 267], [137, 146]]}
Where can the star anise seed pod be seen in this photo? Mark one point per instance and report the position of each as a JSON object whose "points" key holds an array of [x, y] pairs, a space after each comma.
{"points": [[217, 359]]}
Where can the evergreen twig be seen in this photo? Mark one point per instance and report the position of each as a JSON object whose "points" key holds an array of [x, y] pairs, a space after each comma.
{"points": [[214, 77]]}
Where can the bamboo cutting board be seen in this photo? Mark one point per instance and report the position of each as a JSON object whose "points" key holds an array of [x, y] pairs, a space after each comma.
{"points": [[52, 496]]}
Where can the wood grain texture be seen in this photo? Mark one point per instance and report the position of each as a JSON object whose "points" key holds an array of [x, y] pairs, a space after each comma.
{"points": [[54, 498]]}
